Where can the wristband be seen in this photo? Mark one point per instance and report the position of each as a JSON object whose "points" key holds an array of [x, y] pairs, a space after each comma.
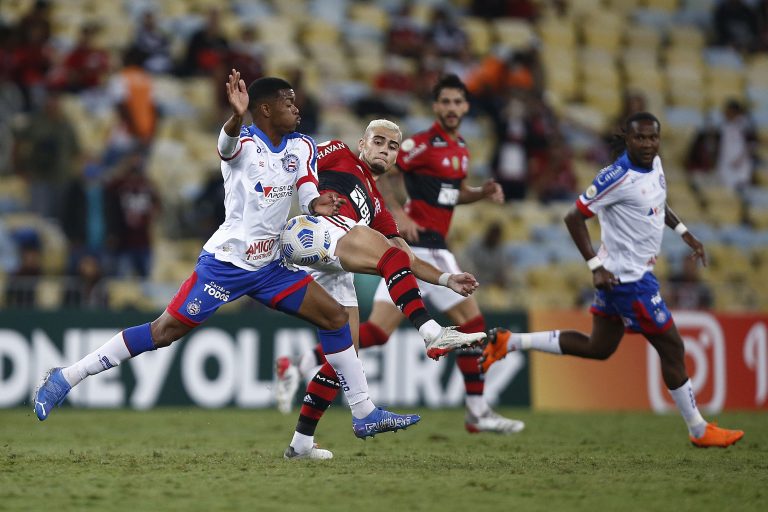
{"points": [[594, 263], [680, 229], [443, 279]]}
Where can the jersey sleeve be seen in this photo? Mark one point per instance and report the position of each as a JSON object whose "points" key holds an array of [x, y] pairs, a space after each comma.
{"points": [[231, 149], [606, 189], [306, 183]]}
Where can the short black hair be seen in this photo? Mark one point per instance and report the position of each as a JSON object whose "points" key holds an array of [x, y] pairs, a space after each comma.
{"points": [[265, 88], [640, 116], [449, 82]]}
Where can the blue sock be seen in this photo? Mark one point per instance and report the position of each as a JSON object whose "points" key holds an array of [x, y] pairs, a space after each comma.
{"points": [[138, 339], [335, 341]]}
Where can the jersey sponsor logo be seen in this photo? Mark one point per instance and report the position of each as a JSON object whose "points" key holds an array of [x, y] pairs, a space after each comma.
{"points": [[438, 142], [290, 163], [216, 291], [260, 249], [415, 152], [327, 150], [358, 197], [609, 174], [194, 307], [448, 195], [272, 194]]}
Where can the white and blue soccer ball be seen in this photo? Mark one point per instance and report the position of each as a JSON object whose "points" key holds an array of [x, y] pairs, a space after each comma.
{"points": [[305, 241]]}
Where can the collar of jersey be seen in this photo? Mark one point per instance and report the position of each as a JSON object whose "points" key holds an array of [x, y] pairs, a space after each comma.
{"points": [[254, 130], [439, 129], [624, 162]]}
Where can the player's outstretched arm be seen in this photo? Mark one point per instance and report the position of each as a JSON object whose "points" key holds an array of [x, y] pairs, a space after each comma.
{"points": [[237, 95], [464, 283], [392, 189], [672, 220], [490, 190]]}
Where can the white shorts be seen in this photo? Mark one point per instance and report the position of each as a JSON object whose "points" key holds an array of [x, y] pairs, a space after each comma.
{"points": [[339, 283], [440, 298]]}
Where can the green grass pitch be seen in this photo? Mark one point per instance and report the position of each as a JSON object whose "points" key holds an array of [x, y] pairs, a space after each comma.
{"points": [[192, 459]]}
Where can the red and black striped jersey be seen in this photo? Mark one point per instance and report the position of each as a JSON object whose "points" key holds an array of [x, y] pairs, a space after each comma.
{"points": [[433, 164], [340, 170]]}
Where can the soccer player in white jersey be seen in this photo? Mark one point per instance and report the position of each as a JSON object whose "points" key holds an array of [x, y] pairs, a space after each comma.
{"points": [[262, 165], [629, 199]]}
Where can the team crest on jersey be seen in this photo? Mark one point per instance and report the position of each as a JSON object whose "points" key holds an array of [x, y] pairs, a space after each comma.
{"points": [[660, 315], [662, 181], [591, 192], [194, 307], [290, 163]]}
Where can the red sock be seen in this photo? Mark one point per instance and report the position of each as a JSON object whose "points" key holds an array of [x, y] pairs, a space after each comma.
{"points": [[321, 391], [319, 354], [395, 268], [371, 335], [466, 359]]}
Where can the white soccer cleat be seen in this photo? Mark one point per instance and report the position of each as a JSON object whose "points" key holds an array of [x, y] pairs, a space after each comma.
{"points": [[287, 384], [313, 453], [492, 421], [449, 339]]}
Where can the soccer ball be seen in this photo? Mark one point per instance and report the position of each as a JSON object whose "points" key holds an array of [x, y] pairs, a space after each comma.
{"points": [[304, 241]]}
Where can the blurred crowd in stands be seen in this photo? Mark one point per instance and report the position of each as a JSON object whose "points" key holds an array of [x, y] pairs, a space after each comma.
{"points": [[90, 124]]}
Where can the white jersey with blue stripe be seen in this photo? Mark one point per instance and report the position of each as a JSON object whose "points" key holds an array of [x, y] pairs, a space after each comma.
{"points": [[630, 202], [259, 180]]}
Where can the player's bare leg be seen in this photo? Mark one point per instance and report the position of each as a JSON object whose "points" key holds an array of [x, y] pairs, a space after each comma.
{"points": [[363, 250], [58, 382], [479, 416], [669, 345]]}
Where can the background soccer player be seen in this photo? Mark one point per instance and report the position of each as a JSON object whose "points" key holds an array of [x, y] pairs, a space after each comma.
{"points": [[629, 198], [434, 165]]}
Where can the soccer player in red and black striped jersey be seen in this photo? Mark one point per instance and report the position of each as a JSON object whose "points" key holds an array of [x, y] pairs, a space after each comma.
{"points": [[365, 239], [433, 165]]}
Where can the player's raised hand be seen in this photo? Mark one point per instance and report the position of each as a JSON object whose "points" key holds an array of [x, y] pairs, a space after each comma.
{"points": [[493, 192], [604, 279], [464, 284], [327, 204], [237, 93], [408, 228], [698, 248]]}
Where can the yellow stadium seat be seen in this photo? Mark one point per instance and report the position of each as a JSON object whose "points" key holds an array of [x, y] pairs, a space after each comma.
{"points": [[49, 293], [479, 34]]}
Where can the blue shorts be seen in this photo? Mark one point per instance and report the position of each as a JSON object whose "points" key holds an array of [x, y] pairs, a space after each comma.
{"points": [[214, 283], [638, 305]]}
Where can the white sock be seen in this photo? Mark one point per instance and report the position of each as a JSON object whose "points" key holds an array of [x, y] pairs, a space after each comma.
{"points": [[545, 341], [430, 330], [308, 366], [302, 443], [477, 405], [686, 404], [110, 354], [351, 376]]}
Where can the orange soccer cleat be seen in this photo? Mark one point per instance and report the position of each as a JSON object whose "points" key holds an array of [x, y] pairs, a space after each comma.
{"points": [[716, 436], [495, 349]]}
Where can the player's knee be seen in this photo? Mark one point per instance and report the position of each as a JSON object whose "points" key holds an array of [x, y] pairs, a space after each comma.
{"points": [[335, 319], [165, 332], [602, 353]]}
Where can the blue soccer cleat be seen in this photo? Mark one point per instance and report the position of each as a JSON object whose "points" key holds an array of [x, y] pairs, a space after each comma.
{"points": [[381, 420], [51, 392]]}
